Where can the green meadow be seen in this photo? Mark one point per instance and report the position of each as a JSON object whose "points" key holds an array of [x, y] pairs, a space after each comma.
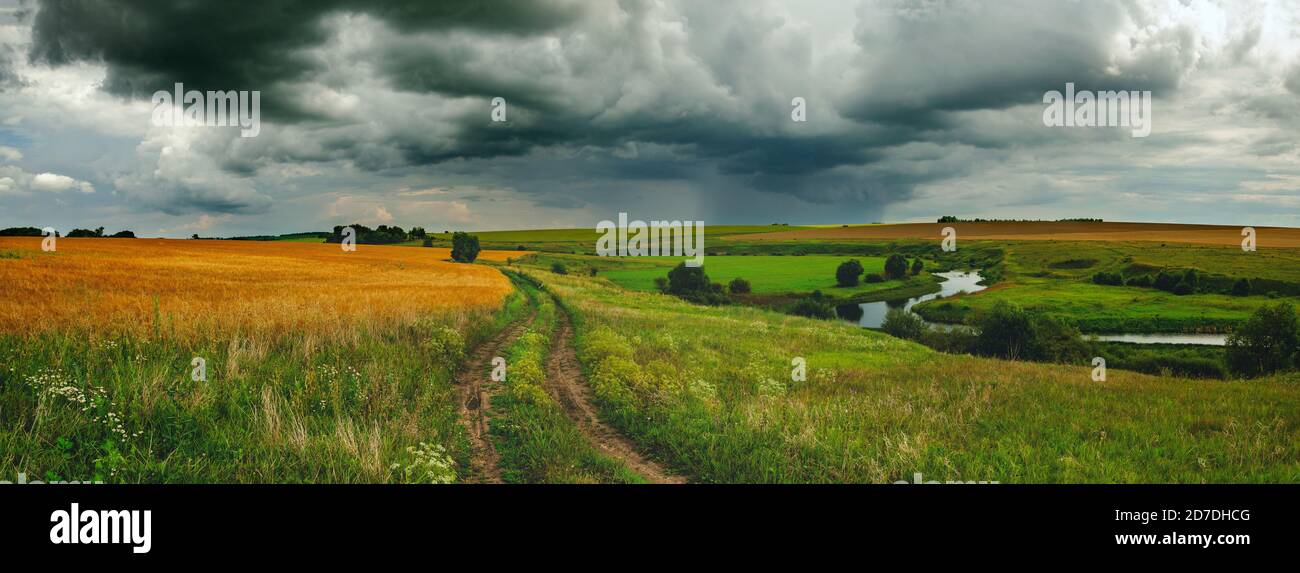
{"points": [[1056, 278], [709, 390]]}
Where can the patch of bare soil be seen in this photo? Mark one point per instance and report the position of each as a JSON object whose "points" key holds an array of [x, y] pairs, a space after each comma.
{"points": [[475, 387], [567, 385]]}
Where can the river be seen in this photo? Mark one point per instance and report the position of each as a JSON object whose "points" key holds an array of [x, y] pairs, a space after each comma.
{"points": [[873, 314]]}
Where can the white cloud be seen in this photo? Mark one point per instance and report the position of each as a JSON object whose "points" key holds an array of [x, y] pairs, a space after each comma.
{"points": [[54, 182], [14, 181], [10, 154]]}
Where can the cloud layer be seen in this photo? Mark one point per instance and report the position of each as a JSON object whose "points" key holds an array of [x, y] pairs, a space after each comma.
{"points": [[667, 108]]}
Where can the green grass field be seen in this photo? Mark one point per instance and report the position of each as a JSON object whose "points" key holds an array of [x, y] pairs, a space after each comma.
{"points": [[1056, 278], [709, 389], [768, 275]]}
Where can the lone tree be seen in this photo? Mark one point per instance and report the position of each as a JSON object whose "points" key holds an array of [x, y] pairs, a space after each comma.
{"points": [[738, 286], [895, 266], [464, 247], [848, 272], [1265, 343], [917, 266]]}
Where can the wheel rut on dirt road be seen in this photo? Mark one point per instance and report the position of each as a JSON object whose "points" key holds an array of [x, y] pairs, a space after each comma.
{"points": [[475, 389], [567, 385]]}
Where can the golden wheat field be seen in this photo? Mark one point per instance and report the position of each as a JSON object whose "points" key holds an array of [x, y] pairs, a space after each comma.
{"points": [[183, 287]]}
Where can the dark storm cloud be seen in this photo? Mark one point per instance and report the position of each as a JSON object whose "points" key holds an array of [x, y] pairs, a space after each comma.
{"points": [[149, 45], [610, 100]]}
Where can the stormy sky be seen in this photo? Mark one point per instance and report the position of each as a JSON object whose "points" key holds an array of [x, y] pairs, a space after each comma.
{"points": [[379, 112]]}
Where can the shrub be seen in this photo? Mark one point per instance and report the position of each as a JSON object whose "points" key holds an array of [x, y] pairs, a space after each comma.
{"points": [[591, 271], [1004, 331], [85, 233], [1192, 279], [1105, 278], [123, 235], [1241, 288], [739, 286], [686, 280], [1265, 343], [661, 283], [813, 307], [1056, 340], [873, 278], [1008, 331], [917, 266], [1183, 288], [848, 272], [428, 242], [464, 247], [1142, 281], [559, 269], [895, 266], [904, 324], [1166, 281]]}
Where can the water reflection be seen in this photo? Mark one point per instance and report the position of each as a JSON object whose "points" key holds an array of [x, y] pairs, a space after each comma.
{"points": [[873, 313]]}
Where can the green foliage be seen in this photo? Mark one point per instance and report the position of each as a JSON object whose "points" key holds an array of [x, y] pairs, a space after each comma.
{"points": [[904, 324], [873, 278], [1265, 343], [813, 307], [1166, 281], [559, 268], [1105, 278], [1073, 264], [464, 247], [1010, 332], [86, 233], [381, 235], [691, 283], [1191, 361], [1242, 287], [738, 286], [1140, 281], [687, 280], [1005, 331], [427, 242], [846, 275], [895, 266], [917, 266]]}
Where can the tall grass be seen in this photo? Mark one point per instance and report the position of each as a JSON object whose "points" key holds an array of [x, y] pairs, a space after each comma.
{"points": [[320, 366], [537, 441], [710, 389]]}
